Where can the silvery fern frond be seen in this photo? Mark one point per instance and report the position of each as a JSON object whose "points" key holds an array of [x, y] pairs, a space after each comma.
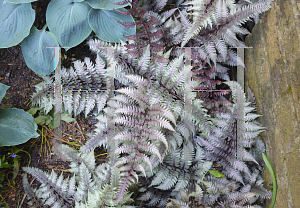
{"points": [[170, 89], [105, 196], [180, 167], [89, 181], [54, 191], [216, 24], [77, 158], [139, 141], [82, 88], [99, 136], [33, 200]]}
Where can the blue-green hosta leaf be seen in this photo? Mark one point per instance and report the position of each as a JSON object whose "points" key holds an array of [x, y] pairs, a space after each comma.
{"points": [[105, 4], [38, 57], [15, 23], [3, 89], [105, 24], [19, 1], [68, 21], [16, 127]]}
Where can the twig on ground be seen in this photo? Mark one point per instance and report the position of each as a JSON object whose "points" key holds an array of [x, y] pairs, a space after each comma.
{"points": [[80, 131]]}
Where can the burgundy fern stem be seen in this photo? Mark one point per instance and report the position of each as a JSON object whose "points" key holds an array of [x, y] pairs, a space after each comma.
{"points": [[218, 29], [119, 3], [135, 10]]}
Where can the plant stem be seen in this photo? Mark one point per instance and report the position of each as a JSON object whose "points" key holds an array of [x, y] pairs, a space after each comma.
{"points": [[269, 165]]}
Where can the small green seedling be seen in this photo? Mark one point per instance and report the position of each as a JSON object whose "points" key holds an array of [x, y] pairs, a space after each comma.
{"points": [[216, 174]]}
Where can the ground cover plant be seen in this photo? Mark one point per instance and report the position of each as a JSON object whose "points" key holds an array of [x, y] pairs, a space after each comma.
{"points": [[70, 22], [161, 154], [15, 123]]}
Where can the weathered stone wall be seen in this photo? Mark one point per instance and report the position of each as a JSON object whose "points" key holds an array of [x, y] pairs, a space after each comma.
{"points": [[273, 74]]}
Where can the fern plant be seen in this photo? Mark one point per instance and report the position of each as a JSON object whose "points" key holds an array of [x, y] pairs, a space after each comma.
{"points": [[89, 183], [155, 143], [161, 154], [216, 23], [147, 33], [85, 76]]}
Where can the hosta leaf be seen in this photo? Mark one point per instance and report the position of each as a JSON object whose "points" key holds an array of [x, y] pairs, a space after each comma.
{"points": [[106, 4], [16, 127], [67, 20], [15, 23], [19, 1], [3, 89], [105, 24], [37, 56]]}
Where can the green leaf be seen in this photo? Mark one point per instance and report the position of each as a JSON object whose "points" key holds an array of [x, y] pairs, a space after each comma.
{"points": [[106, 4], [32, 111], [68, 21], [5, 165], [74, 143], [45, 119], [16, 162], [16, 127], [3, 89], [67, 117], [15, 23], [37, 56], [216, 173], [105, 24], [51, 113]]}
